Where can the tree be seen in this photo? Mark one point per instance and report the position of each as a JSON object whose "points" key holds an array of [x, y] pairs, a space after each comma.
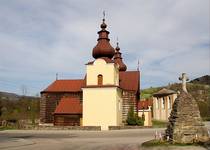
{"points": [[134, 119], [131, 117]]}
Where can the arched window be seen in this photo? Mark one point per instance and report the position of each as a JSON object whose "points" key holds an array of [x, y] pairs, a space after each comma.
{"points": [[100, 79]]}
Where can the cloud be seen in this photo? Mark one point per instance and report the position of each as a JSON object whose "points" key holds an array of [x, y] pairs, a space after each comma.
{"points": [[39, 38]]}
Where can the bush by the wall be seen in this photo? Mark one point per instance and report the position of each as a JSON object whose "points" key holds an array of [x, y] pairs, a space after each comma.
{"points": [[133, 118]]}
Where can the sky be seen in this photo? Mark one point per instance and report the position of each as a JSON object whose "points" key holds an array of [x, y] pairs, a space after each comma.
{"points": [[39, 38]]}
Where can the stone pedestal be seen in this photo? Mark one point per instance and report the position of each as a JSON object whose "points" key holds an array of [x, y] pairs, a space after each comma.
{"points": [[185, 124]]}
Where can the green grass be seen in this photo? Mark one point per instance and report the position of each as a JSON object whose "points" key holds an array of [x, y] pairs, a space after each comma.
{"points": [[159, 124], [206, 118], [147, 93], [154, 143], [7, 128]]}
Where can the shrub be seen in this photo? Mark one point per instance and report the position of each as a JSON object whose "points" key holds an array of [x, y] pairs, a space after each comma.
{"points": [[139, 121], [133, 119]]}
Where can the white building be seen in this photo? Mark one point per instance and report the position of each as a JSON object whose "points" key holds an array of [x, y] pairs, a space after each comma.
{"points": [[162, 104]]}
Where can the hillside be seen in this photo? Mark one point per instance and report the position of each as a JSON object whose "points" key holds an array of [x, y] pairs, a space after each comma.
{"points": [[202, 80], [15, 107], [9, 96], [199, 88]]}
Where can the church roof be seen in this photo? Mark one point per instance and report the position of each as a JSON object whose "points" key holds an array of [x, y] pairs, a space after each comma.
{"points": [[65, 86], [118, 59], [129, 80], [106, 59], [103, 47], [69, 106], [164, 91]]}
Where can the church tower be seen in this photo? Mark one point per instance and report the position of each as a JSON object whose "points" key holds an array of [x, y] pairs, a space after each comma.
{"points": [[118, 59], [102, 97]]}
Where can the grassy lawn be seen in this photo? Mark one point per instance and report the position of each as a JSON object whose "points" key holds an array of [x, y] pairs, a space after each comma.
{"points": [[7, 128], [155, 143], [159, 124]]}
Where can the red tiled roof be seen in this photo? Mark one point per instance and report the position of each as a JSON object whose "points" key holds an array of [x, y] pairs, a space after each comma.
{"points": [[69, 106], [144, 104], [65, 86], [129, 80]]}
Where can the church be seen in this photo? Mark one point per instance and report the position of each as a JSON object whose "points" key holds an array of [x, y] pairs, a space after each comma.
{"points": [[102, 98]]}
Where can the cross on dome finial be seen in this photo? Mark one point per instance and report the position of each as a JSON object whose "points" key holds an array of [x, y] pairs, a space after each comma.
{"points": [[184, 80], [117, 48], [104, 15], [103, 25], [117, 44]]}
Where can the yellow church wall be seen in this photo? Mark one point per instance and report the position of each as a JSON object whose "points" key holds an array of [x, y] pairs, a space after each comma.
{"points": [[108, 70], [102, 107]]}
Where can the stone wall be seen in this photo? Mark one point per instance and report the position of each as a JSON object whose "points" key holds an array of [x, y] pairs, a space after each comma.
{"points": [[50, 100], [185, 124]]}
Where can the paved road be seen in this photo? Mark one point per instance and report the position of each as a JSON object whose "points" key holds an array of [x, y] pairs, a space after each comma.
{"points": [[75, 140]]}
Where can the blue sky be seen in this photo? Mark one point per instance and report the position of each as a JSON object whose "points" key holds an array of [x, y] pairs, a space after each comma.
{"points": [[39, 38]]}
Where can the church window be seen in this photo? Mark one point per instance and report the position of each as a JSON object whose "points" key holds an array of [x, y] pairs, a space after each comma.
{"points": [[100, 79]]}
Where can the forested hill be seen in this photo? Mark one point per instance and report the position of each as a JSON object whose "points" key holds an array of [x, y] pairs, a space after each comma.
{"points": [[202, 80], [199, 88], [17, 107]]}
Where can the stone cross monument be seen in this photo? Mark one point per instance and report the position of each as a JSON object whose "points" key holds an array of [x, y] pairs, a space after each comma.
{"points": [[184, 80], [185, 123]]}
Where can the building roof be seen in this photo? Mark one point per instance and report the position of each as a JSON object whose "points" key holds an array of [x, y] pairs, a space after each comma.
{"points": [[144, 104], [69, 106], [65, 86], [129, 80], [164, 91]]}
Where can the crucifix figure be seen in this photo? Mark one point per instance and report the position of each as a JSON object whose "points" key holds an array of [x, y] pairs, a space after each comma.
{"points": [[184, 80]]}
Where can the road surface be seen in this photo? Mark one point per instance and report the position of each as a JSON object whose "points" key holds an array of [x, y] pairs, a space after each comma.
{"points": [[76, 140]]}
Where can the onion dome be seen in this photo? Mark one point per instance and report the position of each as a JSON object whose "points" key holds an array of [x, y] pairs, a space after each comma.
{"points": [[103, 47], [118, 59]]}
